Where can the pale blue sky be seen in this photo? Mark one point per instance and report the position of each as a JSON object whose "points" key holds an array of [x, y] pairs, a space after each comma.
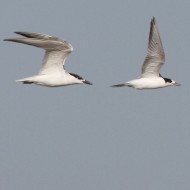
{"points": [[95, 137]]}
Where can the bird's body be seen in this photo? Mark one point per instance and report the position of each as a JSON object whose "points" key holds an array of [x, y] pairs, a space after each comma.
{"points": [[52, 73], [150, 71], [52, 80], [146, 83]]}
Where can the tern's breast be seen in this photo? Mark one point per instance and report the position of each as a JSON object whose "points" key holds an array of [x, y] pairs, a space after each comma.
{"points": [[148, 83]]}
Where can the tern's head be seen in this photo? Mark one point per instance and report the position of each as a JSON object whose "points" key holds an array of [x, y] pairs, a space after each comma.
{"points": [[170, 82]]}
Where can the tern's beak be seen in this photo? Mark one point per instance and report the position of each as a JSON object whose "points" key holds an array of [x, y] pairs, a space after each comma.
{"points": [[177, 84], [87, 82]]}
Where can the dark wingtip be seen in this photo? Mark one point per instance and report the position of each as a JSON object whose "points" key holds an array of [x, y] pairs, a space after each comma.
{"points": [[27, 34], [153, 19], [153, 22], [21, 33], [7, 39], [152, 25], [12, 39]]}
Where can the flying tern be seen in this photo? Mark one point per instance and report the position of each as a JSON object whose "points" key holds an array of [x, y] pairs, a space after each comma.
{"points": [[150, 72], [52, 73]]}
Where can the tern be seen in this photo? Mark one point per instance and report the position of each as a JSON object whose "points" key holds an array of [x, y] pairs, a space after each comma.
{"points": [[52, 73], [150, 72]]}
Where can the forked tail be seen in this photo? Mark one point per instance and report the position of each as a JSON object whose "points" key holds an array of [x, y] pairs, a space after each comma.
{"points": [[119, 85], [25, 81]]}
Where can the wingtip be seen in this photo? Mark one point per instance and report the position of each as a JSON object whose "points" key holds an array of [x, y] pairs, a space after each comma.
{"points": [[8, 39], [17, 32], [21, 33], [153, 20], [11, 39]]}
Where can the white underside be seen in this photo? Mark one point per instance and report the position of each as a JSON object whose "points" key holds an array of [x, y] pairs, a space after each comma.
{"points": [[52, 80], [148, 83]]}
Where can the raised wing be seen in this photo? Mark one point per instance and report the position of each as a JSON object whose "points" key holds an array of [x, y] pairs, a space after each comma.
{"points": [[56, 49], [155, 57]]}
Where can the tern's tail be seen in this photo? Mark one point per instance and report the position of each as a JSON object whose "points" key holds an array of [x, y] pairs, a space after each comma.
{"points": [[119, 85], [122, 85], [28, 80]]}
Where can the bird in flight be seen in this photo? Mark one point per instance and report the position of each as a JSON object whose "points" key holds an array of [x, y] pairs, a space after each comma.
{"points": [[52, 73], [150, 72]]}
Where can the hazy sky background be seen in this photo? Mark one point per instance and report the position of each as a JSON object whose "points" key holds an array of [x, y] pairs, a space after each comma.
{"points": [[95, 137]]}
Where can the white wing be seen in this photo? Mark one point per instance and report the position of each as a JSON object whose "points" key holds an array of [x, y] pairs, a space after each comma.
{"points": [[56, 50], [155, 57]]}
